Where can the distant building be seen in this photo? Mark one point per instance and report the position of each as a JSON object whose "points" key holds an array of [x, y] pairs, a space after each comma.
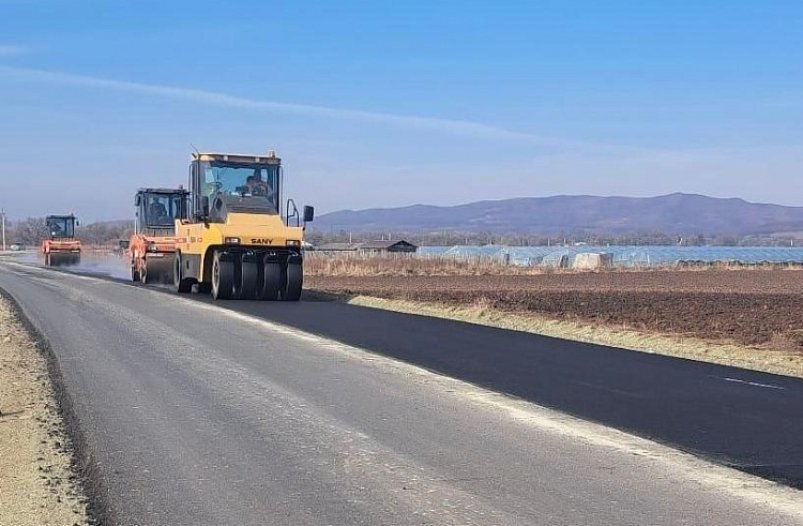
{"points": [[400, 246], [369, 247]]}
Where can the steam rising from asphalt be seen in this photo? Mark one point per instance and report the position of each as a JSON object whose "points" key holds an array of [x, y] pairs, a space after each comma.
{"points": [[104, 264], [93, 263]]}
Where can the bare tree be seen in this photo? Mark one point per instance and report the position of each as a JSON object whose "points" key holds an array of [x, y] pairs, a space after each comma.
{"points": [[30, 231], [105, 232]]}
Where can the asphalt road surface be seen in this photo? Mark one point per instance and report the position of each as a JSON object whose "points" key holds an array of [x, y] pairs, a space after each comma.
{"points": [[194, 414]]}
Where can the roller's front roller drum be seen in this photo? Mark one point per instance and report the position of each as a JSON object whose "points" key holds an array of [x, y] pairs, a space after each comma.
{"points": [[157, 270], [58, 259]]}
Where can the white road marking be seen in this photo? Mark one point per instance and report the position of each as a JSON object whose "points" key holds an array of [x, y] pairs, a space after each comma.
{"points": [[754, 384]]}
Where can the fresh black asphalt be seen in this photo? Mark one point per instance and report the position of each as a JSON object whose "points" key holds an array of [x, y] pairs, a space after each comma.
{"points": [[748, 420]]}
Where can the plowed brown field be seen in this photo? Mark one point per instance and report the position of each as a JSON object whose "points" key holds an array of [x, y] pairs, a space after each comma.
{"points": [[751, 307]]}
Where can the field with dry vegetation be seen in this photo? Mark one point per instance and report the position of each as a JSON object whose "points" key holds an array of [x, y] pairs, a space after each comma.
{"points": [[316, 264]]}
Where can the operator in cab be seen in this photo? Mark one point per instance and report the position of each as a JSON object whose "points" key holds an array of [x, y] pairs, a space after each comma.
{"points": [[255, 186], [158, 213]]}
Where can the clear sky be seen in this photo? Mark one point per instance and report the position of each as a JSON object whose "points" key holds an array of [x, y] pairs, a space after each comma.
{"points": [[393, 103]]}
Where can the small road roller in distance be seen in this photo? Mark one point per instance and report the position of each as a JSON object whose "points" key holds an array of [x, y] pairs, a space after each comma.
{"points": [[61, 248]]}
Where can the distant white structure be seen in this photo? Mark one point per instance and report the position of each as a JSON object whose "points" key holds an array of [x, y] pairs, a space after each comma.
{"points": [[592, 260]]}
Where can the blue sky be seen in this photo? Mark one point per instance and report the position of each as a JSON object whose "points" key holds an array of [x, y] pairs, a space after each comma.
{"points": [[385, 104]]}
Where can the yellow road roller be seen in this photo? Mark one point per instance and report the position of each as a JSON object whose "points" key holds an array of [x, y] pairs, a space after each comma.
{"points": [[239, 240]]}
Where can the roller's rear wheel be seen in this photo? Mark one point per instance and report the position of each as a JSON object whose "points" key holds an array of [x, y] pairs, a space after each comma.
{"points": [[143, 273], [222, 277], [134, 274]]}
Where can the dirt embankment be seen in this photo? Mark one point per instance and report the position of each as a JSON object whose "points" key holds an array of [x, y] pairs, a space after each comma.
{"points": [[37, 484], [760, 311]]}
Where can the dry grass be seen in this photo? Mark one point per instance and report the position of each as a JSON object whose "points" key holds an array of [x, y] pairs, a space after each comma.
{"points": [[317, 264]]}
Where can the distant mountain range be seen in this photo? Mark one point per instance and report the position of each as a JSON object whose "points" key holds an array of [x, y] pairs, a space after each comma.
{"points": [[670, 214]]}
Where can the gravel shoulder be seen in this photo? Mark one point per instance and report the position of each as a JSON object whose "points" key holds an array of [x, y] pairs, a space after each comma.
{"points": [[37, 483]]}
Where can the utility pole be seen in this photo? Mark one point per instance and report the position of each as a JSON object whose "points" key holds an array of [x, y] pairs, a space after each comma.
{"points": [[3, 227]]}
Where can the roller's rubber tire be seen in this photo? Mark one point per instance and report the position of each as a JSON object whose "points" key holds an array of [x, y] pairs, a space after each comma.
{"points": [[134, 274], [250, 288], [273, 281], [180, 284], [222, 278], [204, 288], [294, 283]]}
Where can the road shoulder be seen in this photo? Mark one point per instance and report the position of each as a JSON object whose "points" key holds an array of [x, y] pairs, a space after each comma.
{"points": [[38, 482]]}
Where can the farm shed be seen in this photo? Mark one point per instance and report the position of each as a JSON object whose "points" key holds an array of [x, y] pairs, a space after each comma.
{"points": [[399, 246]]}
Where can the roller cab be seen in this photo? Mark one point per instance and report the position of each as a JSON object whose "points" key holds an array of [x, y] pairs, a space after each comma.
{"points": [[61, 248], [153, 245], [239, 241]]}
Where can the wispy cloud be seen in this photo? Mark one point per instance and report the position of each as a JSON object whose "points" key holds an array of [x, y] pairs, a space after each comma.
{"points": [[12, 50], [451, 126]]}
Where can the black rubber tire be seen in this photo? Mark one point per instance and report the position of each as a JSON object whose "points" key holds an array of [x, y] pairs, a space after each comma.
{"points": [[48, 261], [204, 288], [181, 284], [222, 278], [134, 274], [249, 279], [294, 283], [273, 280]]}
